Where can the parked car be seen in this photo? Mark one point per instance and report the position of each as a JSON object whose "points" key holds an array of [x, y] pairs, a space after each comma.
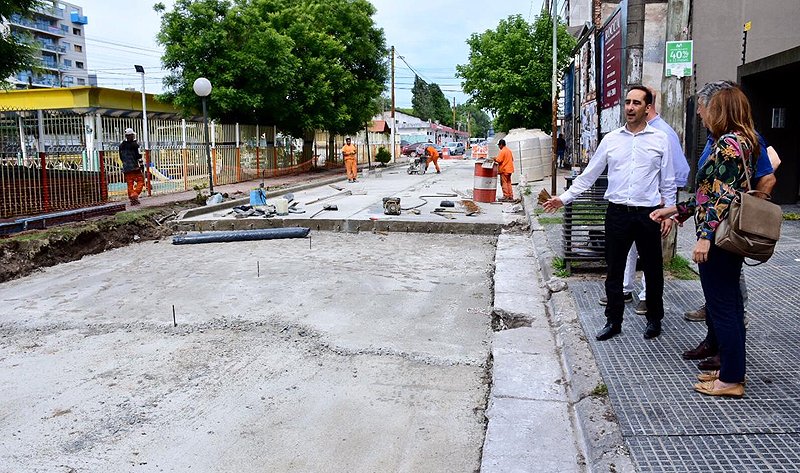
{"points": [[421, 148], [456, 148], [411, 149]]}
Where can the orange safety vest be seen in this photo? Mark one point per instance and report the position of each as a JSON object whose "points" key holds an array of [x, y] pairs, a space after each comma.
{"points": [[505, 160], [349, 151]]}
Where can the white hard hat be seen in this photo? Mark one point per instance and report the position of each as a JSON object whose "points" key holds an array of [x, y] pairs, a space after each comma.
{"points": [[129, 131]]}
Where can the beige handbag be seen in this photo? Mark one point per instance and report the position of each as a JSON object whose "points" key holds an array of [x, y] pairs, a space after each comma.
{"points": [[753, 225]]}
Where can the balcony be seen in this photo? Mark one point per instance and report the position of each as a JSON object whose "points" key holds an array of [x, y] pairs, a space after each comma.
{"points": [[40, 26], [37, 80], [78, 19], [51, 12], [52, 47]]}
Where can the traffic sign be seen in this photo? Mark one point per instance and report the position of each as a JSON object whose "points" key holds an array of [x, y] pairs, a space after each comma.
{"points": [[679, 58]]}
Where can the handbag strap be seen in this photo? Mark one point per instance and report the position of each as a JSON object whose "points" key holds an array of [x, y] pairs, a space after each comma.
{"points": [[746, 167]]}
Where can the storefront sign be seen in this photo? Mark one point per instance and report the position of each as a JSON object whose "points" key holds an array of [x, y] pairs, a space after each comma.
{"points": [[612, 62]]}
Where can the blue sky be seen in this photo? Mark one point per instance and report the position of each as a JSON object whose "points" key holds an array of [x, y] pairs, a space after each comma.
{"points": [[430, 35]]}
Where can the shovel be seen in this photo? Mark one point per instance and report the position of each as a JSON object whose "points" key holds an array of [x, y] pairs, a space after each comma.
{"points": [[324, 208]]}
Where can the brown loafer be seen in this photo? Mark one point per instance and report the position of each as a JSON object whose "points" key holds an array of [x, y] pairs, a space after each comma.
{"points": [[708, 376], [709, 364], [711, 376], [707, 388], [703, 350]]}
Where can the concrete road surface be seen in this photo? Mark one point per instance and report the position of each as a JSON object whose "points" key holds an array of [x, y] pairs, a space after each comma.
{"points": [[366, 352]]}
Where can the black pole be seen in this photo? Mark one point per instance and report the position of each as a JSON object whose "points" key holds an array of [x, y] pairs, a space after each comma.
{"points": [[369, 156], [208, 150], [744, 46]]}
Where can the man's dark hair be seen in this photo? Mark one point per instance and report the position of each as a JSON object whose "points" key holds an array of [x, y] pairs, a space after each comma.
{"points": [[501, 143], [648, 96]]}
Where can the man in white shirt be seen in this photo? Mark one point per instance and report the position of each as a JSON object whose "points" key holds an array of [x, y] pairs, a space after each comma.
{"points": [[681, 168], [640, 179]]}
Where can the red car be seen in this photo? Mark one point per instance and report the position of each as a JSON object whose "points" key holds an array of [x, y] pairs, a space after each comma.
{"points": [[411, 149]]}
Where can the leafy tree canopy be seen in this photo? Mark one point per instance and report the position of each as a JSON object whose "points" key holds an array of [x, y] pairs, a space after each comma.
{"points": [[15, 52], [429, 102], [298, 64], [509, 70], [479, 121]]}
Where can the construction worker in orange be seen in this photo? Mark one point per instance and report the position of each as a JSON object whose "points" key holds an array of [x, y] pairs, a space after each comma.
{"points": [[505, 169], [132, 165], [433, 156], [350, 160]]}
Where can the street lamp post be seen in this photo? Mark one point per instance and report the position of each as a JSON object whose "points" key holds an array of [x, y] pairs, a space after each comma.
{"points": [[145, 133], [202, 87]]}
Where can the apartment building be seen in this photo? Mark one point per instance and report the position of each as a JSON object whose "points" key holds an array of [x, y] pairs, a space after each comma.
{"points": [[57, 29]]}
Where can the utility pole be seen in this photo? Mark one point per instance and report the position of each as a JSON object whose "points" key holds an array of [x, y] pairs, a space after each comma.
{"points": [[454, 114], [635, 43], [554, 95], [673, 89], [394, 122]]}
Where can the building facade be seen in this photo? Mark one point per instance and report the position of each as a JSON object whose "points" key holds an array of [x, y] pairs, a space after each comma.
{"points": [[57, 30], [753, 42], [414, 129]]}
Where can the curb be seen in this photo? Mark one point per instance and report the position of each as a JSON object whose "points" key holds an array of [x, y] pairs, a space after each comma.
{"points": [[598, 434]]}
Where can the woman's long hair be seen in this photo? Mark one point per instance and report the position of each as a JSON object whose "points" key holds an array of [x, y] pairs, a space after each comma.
{"points": [[728, 112]]}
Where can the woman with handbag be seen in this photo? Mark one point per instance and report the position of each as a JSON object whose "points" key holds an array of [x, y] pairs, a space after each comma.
{"points": [[730, 122]]}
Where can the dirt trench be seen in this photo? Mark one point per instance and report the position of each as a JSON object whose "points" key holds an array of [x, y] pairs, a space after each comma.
{"points": [[24, 253]]}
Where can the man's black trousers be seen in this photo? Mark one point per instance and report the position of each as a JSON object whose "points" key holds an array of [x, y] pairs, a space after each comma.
{"points": [[625, 226]]}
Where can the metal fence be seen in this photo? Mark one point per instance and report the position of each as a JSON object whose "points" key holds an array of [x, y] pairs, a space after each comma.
{"points": [[53, 160]]}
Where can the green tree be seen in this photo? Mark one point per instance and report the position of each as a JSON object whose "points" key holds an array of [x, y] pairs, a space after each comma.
{"points": [[421, 100], [509, 70], [298, 64], [479, 121], [429, 102], [16, 54]]}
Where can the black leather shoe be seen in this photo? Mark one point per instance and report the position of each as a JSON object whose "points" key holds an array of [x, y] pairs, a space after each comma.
{"points": [[709, 364], [702, 351], [652, 330], [609, 330]]}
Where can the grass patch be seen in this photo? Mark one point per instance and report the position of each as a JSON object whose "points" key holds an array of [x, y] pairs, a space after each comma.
{"points": [[560, 267], [601, 390], [550, 220], [791, 216], [679, 268], [55, 233], [132, 216]]}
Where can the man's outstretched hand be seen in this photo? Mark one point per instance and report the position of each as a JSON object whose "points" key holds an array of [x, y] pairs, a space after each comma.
{"points": [[552, 204]]}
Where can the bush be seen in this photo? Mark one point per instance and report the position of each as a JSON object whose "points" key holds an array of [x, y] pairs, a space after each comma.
{"points": [[383, 155]]}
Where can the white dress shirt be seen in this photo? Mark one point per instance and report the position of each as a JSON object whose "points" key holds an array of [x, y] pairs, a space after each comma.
{"points": [[679, 164], [639, 169]]}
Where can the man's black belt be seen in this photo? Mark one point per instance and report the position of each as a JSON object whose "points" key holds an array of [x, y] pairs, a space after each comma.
{"points": [[631, 208]]}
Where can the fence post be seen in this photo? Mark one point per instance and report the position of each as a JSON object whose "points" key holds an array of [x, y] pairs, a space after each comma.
{"points": [[147, 179], [45, 182], [185, 159], [238, 157], [103, 178], [214, 151]]}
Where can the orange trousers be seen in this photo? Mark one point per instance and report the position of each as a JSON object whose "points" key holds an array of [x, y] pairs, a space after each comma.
{"points": [[435, 163], [135, 181], [505, 184], [351, 167]]}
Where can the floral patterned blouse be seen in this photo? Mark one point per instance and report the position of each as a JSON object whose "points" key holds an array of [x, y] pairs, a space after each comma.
{"points": [[722, 172]]}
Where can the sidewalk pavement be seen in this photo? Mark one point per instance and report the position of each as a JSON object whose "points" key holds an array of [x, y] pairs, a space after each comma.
{"points": [[665, 425]]}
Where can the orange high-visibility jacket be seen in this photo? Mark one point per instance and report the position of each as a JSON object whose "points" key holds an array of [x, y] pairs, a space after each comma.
{"points": [[505, 160], [432, 152], [349, 151]]}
